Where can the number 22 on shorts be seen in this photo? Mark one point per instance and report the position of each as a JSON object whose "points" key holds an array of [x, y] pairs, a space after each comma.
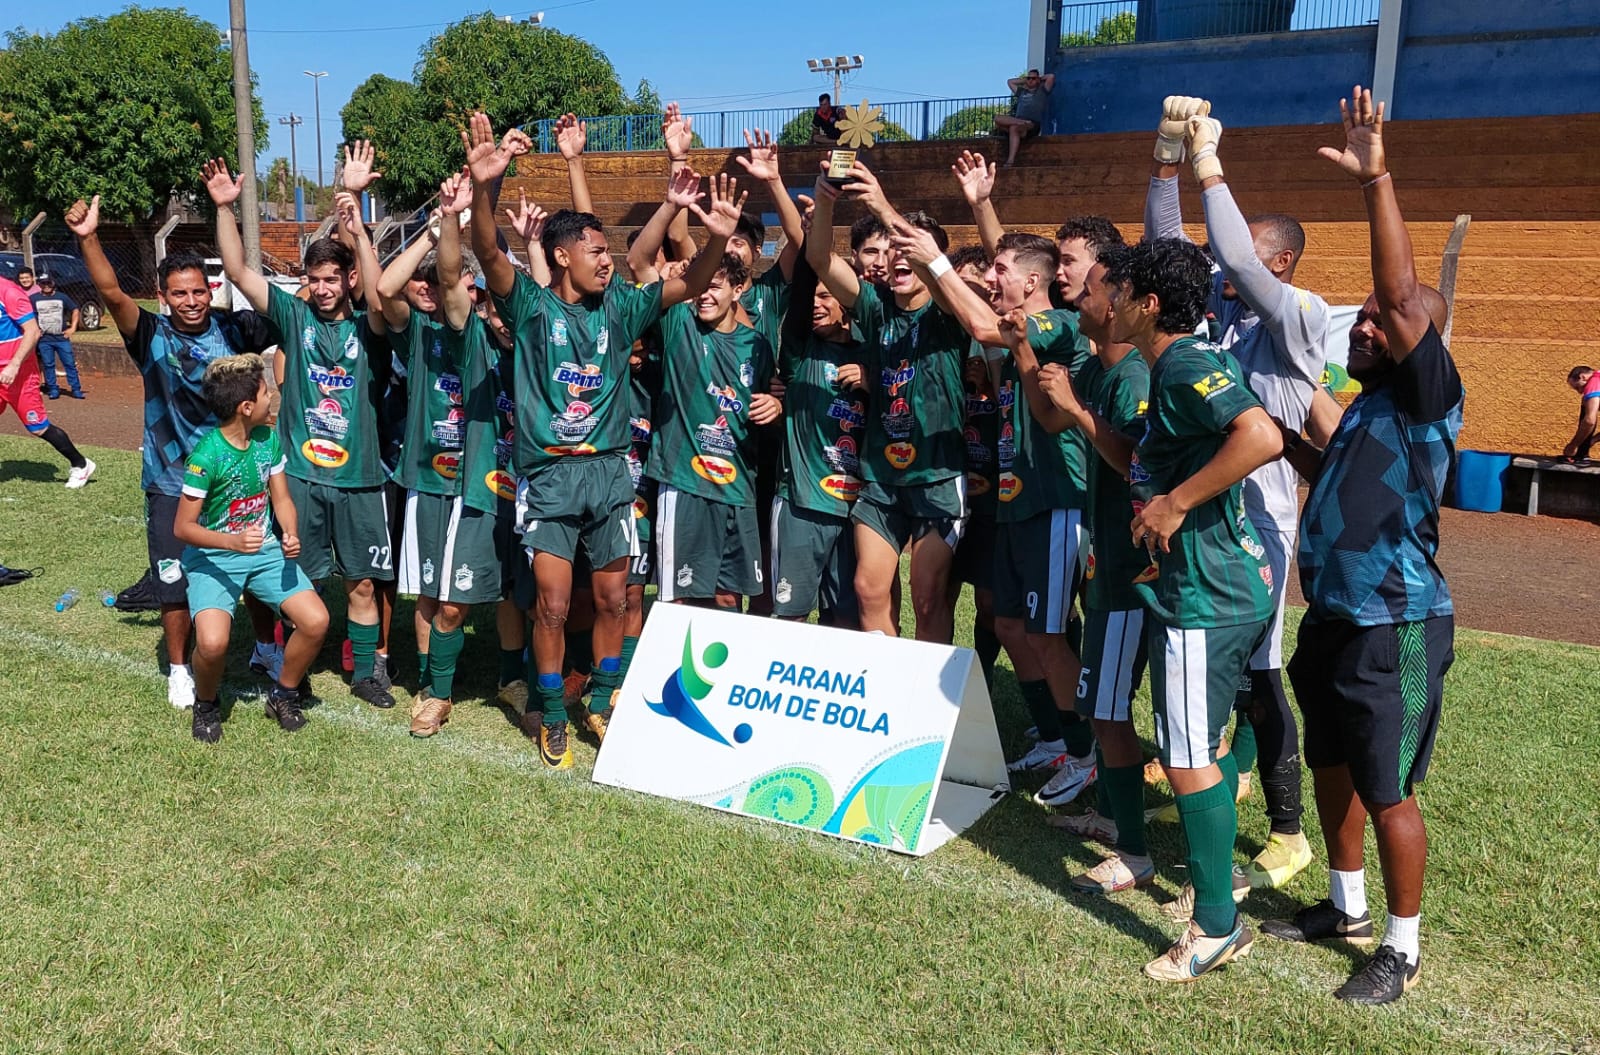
{"points": [[381, 560]]}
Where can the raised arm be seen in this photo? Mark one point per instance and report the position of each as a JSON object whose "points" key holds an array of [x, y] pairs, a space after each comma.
{"points": [[727, 204], [1403, 302], [762, 165], [455, 195], [1232, 245], [572, 136], [1163, 216], [839, 277], [224, 191], [84, 223], [866, 187], [487, 161], [392, 283], [977, 184], [918, 248], [677, 135], [683, 190], [354, 234], [528, 220]]}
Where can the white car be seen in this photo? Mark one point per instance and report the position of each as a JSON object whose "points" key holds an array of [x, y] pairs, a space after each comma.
{"points": [[225, 297]]}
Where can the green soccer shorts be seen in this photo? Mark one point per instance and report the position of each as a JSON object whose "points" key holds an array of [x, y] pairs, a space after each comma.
{"points": [[448, 550], [344, 531], [704, 546]]}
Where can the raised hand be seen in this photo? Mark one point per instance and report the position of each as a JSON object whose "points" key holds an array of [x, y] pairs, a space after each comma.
{"points": [[455, 193], [677, 132], [223, 187], [349, 213], [83, 220], [1175, 113], [1014, 326], [1204, 134], [358, 174], [1362, 156], [914, 244], [808, 209], [683, 187], [572, 136], [528, 219], [727, 205], [487, 160], [762, 164], [865, 186], [976, 178]]}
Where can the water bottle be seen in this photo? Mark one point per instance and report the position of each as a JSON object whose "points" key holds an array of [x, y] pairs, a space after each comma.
{"points": [[68, 599], [108, 598]]}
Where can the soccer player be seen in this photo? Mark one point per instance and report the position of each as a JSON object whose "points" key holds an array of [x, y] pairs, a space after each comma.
{"points": [[869, 250], [233, 489], [19, 380], [172, 352], [336, 364], [914, 458], [1276, 331], [1585, 381], [1210, 598], [813, 545], [1379, 630], [572, 431], [1106, 401]]}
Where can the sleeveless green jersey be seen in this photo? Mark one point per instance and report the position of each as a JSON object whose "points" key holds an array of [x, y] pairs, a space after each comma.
{"points": [[823, 427], [571, 368], [702, 441], [1035, 476], [1119, 396], [917, 402], [1216, 573], [332, 382], [232, 483]]}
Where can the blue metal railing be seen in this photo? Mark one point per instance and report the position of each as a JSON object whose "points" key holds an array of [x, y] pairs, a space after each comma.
{"points": [[1110, 22], [918, 120]]}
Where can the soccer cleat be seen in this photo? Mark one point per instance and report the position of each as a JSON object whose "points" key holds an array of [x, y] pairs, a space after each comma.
{"points": [[1068, 782], [371, 690], [1087, 825], [419, 701], [574, 687], [433, 714], [1182, 906], [206, 722], [1384, 979], [1283, 858], [78, 477], [1115, 873], [267, 660], [1155, 772], [514, 695], [554, 751], [598, 723], [1244, 788], [180, 688], [283, 706], [1046, 754], [1194, 954], [1321, 922]]}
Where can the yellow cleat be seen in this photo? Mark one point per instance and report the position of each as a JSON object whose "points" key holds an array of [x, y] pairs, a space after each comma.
{"points": [[598, 723], [554, 750], [1284, 857]]}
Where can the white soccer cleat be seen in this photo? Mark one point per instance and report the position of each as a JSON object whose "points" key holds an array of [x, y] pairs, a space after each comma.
{"points": [[1069, 782], [1046, 754], [180, 688], [78, 477]]}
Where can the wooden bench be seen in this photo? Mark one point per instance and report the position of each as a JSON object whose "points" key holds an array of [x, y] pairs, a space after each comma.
{"points": [[1535, 466]]}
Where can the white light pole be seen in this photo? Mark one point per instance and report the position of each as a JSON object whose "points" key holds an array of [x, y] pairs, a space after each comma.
{"points": [[837, 67], [316, 115]]}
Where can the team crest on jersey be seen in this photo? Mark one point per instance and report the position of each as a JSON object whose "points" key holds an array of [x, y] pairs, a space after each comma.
{"points": [[728, 401], [558, 333], [719, 471], [783, 592], [352, 346], [447, 464], [578, 379], [900, 455], [1010, 486], [602, 343], [331, 380], [427, 572], [324, 453], [747, 373], [894, 378], [463, 578], [685, 577]]}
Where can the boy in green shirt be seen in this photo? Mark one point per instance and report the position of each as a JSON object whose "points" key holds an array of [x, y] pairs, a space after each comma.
{"points": [[233, 487]]}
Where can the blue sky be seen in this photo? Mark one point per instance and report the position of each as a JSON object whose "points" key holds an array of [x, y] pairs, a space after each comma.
{"points": [[710, 55]]}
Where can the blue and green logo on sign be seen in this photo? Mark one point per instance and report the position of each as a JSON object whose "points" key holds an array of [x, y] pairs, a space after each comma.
{"points": [[688, 686]]}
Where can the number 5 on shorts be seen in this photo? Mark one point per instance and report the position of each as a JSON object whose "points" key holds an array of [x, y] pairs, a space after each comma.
{"points": [[381, 561], [1083, 683]]}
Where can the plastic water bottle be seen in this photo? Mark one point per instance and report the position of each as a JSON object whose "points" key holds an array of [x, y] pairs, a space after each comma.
{"points": [[68, 599], [108, 598]]}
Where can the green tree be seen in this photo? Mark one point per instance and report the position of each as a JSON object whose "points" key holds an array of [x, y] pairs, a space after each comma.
{"points": [[971, 122], [1113, 29], [414, 153], [797, 131], [98, 109]]}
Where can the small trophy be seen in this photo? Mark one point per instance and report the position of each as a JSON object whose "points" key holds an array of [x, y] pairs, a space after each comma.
{"points": [[858, 130]]}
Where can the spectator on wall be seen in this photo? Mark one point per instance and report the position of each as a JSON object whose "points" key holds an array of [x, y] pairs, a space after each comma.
{"points": [[58, 321], [1585, 380], [825, 121], [1030, 104]]}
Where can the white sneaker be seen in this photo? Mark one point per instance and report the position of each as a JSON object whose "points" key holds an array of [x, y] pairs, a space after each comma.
{"points": [[1046, 754], [1069, 782], [77, 478], [180, 687], [267, 660]]}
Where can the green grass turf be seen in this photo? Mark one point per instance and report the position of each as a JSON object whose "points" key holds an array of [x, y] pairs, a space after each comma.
{"points": [[348, 889]]}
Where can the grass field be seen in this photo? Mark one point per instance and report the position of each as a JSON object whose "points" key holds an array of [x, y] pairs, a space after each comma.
{"points": [[349, 889]]}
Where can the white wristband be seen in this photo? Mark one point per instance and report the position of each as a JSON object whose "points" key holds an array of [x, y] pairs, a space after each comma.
{"points": [[938, 266]]}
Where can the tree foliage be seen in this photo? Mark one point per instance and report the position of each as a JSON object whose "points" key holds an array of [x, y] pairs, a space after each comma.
{"points": [[1113, 29], [970, 122], [797, 131], [128, 107]]}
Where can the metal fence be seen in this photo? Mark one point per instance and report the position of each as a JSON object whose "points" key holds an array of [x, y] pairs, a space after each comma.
{"points": [[1111, 22], [919, 120]]}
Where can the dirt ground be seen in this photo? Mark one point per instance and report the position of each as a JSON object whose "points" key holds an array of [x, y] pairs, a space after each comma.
{"points": [[1512, 574]]}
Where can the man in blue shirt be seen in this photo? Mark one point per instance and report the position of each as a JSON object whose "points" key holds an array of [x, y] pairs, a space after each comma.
{"points": [[1378, 634]]}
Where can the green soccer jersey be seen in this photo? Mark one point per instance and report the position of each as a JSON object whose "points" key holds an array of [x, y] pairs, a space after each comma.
{"points": [[917, 406], [332, 382], [571, 368], [982, 432], [703, 442], [232, 483], [1215, 574], [822, 440], [436, 405], [1119, 396], [1034, 473], [643, 387], [491, 421], [766, 302]]}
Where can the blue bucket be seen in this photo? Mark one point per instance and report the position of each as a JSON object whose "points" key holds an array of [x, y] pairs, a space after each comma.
{"points": [[1480, 480]]}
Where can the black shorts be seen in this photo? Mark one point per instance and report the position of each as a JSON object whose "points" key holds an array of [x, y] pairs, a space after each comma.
{"points": [[1370, 697], [974, 563], [165, 551]]}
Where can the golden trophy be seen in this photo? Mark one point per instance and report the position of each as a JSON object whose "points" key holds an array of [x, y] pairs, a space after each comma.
{"points": [[858, 130]]}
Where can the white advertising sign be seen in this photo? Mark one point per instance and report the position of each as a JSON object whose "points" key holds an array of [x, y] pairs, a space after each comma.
{"points": [[859, 736]]}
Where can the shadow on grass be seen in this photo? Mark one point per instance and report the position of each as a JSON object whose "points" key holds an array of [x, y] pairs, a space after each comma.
{"points": [[31, 471]]}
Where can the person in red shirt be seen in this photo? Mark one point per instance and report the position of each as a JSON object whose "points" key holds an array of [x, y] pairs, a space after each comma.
{"points": [[19, 379], [1585, 380]]}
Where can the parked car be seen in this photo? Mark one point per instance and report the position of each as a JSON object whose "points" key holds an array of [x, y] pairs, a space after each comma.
{"points": [[72, 278], [226, 297]]}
